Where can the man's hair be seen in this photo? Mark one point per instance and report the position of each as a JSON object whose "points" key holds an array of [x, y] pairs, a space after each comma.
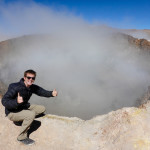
{"points": [[29, 71]]}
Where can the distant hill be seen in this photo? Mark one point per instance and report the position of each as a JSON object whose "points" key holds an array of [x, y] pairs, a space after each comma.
{"points": [[141, 43]]}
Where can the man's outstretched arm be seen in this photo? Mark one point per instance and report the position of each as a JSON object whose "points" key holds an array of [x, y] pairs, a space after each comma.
{"points": [[42, 92]]}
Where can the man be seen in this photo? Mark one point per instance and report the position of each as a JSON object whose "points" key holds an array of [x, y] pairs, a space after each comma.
{"points": [[17, 107]]}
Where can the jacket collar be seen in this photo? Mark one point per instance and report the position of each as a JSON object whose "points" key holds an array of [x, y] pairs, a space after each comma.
{"points": [[22, 83]]}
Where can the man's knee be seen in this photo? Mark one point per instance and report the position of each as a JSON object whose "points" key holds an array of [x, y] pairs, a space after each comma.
{"points": [[30, 115], [42, 109], [38, 109]]}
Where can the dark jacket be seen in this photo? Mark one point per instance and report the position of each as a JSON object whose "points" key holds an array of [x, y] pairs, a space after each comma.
{"points": [[9, 100]]}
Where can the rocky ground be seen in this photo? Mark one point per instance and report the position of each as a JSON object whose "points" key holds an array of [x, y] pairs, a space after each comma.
{"points": [[124, 129]]}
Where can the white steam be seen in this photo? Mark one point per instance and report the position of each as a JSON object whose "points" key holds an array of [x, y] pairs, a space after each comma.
{"points": [[93, 70]]}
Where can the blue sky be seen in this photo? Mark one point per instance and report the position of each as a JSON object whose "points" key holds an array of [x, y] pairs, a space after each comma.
{"points": [[116, 13]]}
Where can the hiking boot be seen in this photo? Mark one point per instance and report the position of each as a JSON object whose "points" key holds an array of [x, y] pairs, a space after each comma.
{"points": [[27, 141]]}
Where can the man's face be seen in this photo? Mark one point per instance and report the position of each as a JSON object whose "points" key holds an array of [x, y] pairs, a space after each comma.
{"points": [[29, 79]]}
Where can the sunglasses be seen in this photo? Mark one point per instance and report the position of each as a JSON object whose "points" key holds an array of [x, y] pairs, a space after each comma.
{"points": [[33, 78]]}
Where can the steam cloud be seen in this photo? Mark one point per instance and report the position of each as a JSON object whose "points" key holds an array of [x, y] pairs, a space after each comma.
{"points": [[93, 70]]}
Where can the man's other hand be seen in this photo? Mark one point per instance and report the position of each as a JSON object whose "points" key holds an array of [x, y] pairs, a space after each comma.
{"points": [[54, 93], [19, 99]]}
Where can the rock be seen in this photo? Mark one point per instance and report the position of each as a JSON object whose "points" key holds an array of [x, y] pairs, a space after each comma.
{"points": [[124, 129], [3, 88], [140, 43]]}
